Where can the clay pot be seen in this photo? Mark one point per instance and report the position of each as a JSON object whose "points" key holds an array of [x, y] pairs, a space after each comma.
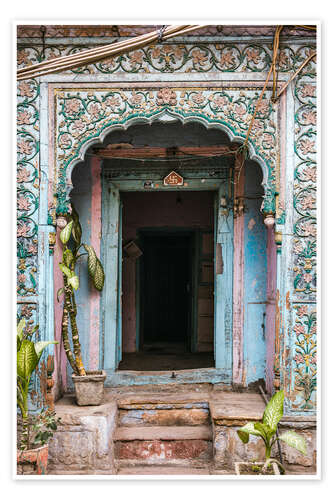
{"points": [[34, 461], [89, 389], [254, 469]]}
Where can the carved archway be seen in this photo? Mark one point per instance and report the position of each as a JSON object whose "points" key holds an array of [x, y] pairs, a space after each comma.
{"points": [[86, 117]]}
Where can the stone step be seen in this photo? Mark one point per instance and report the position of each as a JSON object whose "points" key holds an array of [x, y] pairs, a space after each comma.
{"points": [[160, 470], [164, 433], [162, 417]]}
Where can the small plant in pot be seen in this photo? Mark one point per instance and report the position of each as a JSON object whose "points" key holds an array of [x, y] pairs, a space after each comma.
{"points": [[34, 431], [267, 431], [88, 385]]}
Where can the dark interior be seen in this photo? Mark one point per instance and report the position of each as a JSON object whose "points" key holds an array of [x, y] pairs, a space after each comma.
{"points": [[166, 291]]}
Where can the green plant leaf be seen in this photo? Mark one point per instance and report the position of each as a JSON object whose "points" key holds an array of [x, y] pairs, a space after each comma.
{"points": [[27, 359], [74, 281], [65, 234], [92, 259], [59, 293], [68, 257], [265, 431], [245, 431], [20, 328], [274, 410], [67, 272], [40, 346], [77, 229], [99, 276], [291, 438]]}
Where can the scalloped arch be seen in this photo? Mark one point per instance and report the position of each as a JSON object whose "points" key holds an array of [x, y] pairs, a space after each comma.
{"points": [[165, 115]]}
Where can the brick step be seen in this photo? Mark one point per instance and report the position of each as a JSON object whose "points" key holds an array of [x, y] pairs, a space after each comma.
{"points": [[160, 470], [161, 444]]}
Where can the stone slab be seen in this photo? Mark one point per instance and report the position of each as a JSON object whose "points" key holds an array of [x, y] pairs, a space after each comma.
{"points": [[171, 433], [155, 470], [182, 417], [158, 451]]}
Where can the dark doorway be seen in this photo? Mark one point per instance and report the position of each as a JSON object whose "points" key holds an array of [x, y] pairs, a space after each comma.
{"points": [[166, 286]]}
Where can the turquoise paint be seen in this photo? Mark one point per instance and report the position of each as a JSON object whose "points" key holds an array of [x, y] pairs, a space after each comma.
{"points": [[119, 298], [110, 238], [255, 272], [223, 285]]}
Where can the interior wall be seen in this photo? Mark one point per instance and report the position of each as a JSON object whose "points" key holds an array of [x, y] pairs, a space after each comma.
{"points": [[191, 210]]}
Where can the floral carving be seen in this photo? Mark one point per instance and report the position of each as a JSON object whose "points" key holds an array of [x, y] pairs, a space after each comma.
{"points": [[166, 96], [82, 116], [305, 354], [27, 185]]}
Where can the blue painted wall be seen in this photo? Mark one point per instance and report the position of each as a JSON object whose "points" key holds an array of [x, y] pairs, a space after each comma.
{"points": [[255, 272]]}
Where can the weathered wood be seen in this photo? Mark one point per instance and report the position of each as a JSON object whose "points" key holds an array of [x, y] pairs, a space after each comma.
{"points": [[128, 151]]}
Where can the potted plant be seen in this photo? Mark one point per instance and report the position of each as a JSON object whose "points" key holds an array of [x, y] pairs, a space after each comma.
{"points": [[88, 385], [35, 430], [267, 431]]}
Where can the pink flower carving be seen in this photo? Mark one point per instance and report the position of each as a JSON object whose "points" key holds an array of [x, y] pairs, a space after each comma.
{"points": [[23, 118], [308, 202], [94, 110], [113, 101], [240, 111], [310, 174], [253, 55], [64, 141], [23, 175], [23, 230], [302, 311], [199, 57], [310, 117], [23, 57], [24, 147], [308, 90], [136, 99], [78, 125], [32, 249], [309, 229], [307, 146], [25, 89], [198, 98], [21, 278], [263, 106], [298, 359], [166, 96], [299, 329], [72, 106], [227, 59], [220, 101], [136, 57], [23, 203], [283, 58]]}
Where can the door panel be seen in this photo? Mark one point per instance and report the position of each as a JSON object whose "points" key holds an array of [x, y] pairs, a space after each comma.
{"points": [[112, 286], [223, 283]]}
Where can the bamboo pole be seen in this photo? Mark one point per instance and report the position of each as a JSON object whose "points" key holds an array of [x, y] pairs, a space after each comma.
{"points": [[89, 56]]}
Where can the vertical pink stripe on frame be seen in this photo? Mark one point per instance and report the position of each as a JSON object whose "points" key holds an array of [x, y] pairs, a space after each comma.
{"points": [[96, 228], [238, 280]]}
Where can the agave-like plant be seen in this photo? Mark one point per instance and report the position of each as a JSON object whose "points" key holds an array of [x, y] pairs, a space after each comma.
{"points": [[267, 430], [70, 237], [28, 356]]}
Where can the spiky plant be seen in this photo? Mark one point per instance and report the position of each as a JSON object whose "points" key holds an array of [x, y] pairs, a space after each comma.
{"points": [[267, 430], [28, 357], [70, 237]]}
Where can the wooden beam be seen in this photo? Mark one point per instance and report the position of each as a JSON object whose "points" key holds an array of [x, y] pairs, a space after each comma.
{"points": [[128, 151]]}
